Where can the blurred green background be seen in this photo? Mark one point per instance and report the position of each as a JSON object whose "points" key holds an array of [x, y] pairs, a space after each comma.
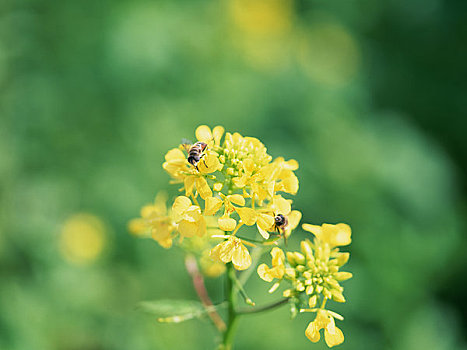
{"points": [[368, 96]]}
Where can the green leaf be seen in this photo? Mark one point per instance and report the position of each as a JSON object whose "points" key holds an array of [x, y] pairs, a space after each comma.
{"points": [[176, 311]]}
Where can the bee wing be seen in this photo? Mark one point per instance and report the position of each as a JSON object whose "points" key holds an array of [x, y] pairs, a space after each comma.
{"points": [[186, 144]]}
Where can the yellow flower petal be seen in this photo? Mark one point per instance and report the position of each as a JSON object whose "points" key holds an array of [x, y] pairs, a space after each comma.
{"points": [[265, 221], [223, 251], [278, 256], [248, 165], [181, 204], [291, 164], [290, 184], [281, 205], [294, 219], [342, 258], [241, 258], [217, 133], [241, 181], [226, 223], [333, 335], [342, 276], [263, 233], [335, 235], [339, 234], [312, 332], [212, 205], [247, 215], [187, 228], [189, 183], [209, 163], [236, 199], [203, 188], [138, 227], [201, 226], [263, 273], [175, 154], [203, 133], [192, 214]]}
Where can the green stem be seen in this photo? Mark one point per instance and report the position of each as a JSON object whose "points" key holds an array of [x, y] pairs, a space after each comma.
{"points": [[262, 308], [232, 317], [242, 290]]}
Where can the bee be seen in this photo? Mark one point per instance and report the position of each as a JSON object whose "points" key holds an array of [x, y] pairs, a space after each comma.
{"points": [[280, 224], [195, 152]]}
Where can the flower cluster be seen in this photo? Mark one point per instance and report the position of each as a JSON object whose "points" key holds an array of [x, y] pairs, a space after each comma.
{"points": [[236, 197], [313, 275], [236, 182]]}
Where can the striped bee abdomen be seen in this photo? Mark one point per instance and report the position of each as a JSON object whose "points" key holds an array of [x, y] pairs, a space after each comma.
{"points": [[194, 154]]}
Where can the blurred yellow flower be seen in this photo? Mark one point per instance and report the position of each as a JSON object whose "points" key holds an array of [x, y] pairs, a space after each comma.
{"points": [[334, 235], [210, 267], [82, 239], [332, 335], [232, 250], [261, 17], [188, 217], [156, 221], [329, 53], [261, 29]]}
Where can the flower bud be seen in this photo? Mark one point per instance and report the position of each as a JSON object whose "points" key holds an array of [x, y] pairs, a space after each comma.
{"points": [[299, 258]]}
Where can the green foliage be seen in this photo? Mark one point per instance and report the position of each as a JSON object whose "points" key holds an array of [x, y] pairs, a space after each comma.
{"points": [[176, 311]]}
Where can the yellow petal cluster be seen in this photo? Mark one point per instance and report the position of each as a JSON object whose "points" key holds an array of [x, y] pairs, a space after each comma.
{"points": [[188, 217], [313, 274], [155, 221], [232, 250], [235, 182], [334, 235], [324, 320], [278, 268]]}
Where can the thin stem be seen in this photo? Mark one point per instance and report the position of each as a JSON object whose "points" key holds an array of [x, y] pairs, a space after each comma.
{"points": [[255, 255], [242, 290], [237, 228], [262, 308], [194, 200], [232, 319], [198, 283]]}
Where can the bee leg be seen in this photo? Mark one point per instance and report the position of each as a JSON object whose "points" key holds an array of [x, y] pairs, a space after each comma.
{"points": [[204, 161]]}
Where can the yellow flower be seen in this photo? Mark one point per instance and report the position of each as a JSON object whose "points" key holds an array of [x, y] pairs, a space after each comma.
{"points": [[286, 181], [189, 218], [210, 267], [278, 176], [155, 220], [237, 149], [178, 167], [211, 138], [282, 206], [278, 268], [213, 204], [232, 250], [332, 335], [334, 235], [176, 164]]}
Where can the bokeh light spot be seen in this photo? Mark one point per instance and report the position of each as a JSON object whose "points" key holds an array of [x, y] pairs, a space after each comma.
{"points": [[82, 239], [329, 54]]}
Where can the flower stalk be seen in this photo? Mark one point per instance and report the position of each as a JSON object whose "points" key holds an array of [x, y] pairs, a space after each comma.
{"points": [[232, 316]]}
